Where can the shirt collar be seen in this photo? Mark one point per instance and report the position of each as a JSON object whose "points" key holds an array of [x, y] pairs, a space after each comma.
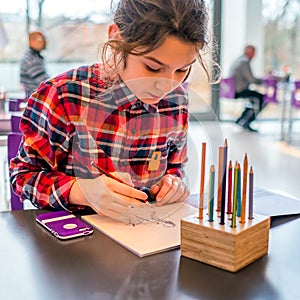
{"points": [[36, 52]]}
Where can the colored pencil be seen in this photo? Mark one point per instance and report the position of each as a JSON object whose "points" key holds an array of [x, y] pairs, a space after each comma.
{"points": [[239, 196], [244, 195], [116, 178], [224, 174], [229, 196], [202, 180], [220, 176], [250, 209], [235, 194], [211, 192], [108, 174]]}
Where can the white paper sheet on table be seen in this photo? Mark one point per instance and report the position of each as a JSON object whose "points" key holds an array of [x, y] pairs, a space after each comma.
{"points": [[149, 237], [275, 203]]}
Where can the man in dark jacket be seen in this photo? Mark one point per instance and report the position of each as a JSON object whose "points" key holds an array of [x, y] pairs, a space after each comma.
{"points": [[32, 66], [243, 77]]}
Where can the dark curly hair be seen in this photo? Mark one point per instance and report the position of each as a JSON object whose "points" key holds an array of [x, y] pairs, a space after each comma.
{"points": [[145, 24]]}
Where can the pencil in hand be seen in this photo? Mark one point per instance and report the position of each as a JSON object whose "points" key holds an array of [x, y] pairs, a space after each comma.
{"points": [[108, 174]]}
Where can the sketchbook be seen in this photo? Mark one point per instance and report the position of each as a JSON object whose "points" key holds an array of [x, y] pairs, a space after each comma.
{"points": [[157, 230]]}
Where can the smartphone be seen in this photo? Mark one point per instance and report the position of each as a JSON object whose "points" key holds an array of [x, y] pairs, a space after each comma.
{"points": [[64, 225]]}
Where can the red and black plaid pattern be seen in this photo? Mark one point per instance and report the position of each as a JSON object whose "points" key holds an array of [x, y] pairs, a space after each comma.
{"points": [[75, 118]]}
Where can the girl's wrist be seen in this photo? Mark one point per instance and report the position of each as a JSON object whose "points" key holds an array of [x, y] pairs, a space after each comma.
{"points": [[76, 196]]}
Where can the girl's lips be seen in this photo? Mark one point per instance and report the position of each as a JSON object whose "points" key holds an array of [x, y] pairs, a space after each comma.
{"points": [[154, 96]]}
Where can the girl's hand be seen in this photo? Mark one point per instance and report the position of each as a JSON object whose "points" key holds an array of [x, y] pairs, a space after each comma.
{"points": [[107, 196], [169, 189]]}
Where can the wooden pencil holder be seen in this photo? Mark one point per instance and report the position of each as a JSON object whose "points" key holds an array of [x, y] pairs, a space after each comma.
{"points": [[222, 246]]}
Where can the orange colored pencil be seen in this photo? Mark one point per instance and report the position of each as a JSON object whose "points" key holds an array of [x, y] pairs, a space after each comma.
{"points": [[202, 180], [244, 194]]}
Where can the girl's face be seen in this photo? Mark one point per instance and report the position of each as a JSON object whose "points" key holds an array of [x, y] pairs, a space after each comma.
{"points": [[153, 75]]}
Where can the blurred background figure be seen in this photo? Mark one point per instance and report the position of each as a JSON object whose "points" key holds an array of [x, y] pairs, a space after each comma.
{"points": [[32, 65], [243, 77]]}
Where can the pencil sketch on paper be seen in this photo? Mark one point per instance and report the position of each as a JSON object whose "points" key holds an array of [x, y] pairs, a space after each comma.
{"points": [[152, 214], [157, 228]]}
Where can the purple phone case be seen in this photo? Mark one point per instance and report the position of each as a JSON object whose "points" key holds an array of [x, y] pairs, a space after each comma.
{"points": [[64, 225]]}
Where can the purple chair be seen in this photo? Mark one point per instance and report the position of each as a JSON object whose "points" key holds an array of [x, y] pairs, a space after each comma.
{"points": [[15, 123], [227, 88], [295, 104], [15, 104], [296, 94], [270, 86], [13, 142]]}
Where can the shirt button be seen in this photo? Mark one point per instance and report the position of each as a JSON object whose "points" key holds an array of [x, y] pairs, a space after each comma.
{"points": [[133, 131]]}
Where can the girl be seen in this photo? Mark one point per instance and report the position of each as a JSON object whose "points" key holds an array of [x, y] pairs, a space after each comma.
{"points": [[127, 115]]}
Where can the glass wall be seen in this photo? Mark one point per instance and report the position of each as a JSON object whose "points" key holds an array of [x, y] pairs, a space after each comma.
{"points": [[273, 26], [74, 33]]}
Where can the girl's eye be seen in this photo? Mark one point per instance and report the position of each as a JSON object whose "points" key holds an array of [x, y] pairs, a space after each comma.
{"points": [[182, 71], [152, 70]]}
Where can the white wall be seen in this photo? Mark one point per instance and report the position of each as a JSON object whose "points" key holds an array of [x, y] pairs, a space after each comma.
{"points": [[255, 33]]}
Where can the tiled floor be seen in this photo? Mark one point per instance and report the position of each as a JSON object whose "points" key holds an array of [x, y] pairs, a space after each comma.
{"points": [[276, 164]]}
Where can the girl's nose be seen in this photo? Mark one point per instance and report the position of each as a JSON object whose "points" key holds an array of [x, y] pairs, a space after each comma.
{"points": [[165, 84]]}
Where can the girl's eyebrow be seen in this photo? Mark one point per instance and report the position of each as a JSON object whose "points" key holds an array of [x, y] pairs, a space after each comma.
{"points": [[164, 65]]}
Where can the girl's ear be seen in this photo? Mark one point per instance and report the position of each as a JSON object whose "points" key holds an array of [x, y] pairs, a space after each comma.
{"points": [[114, 32]]}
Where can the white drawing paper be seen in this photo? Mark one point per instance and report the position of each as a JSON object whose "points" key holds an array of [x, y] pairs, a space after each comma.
{"points": [[150, 236]]}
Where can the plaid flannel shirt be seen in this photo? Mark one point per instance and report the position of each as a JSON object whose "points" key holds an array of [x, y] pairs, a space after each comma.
{"points": [[76, 118]]}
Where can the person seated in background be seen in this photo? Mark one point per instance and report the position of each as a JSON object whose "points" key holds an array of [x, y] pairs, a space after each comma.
{"points": [[32, 65], [242, 74]]}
